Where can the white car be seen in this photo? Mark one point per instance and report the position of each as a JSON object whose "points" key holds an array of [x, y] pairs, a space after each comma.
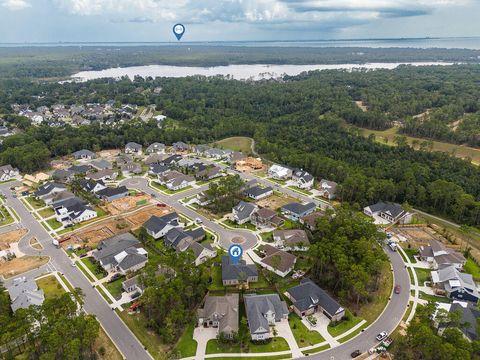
{"points": [[381, 336], [198, 220], [73, 264]]}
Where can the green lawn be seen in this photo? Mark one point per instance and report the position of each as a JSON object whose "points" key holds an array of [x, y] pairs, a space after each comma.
{"points": [[423, 275], [216, 347], [411, 253], [164, 189], [54, 224], [343, 325], [440, 299], [5, 217], [216, 274], [303, 336], [46, 213], [247, 225], [51, 287], [273, 357], [148, 338], [317, 349], [115, 287], [93, 267], [275, 345], [35, 203], [104, 295], [471, 267], [186, 346], [352, 334], [236, 143], [267, 236], [297, 189]]}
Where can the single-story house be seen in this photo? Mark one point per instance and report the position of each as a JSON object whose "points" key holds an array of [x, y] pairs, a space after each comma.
{"points": [[73, 210], [158, 226], [328, 189], [243, 211], [101, 164], [133, 285], [112, 193], [222, 313], [84, 154], [158, 169], [103, 175], [7, 172], [291, 240], [180, 146], [278, 261], [156, 148], [310, 220], [296, 211], [303, 179], [209, 173], [440, 256], [280, 172], [79, 169], [24, 292], [264, 311], [63, 175], [131, 168], [258, 192], [457, 285], [175, 180], [308, 298], [92, 186], [154, 159], [172, 160], [133, 148], [391, 212], [266, 217], [48, 190], [235, 273]]}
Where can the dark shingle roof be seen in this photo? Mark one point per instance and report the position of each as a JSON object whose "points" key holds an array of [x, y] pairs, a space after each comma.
{"points": [[231, 271]]}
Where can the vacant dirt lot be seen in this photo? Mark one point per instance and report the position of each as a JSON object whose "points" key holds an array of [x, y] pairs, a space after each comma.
{"points": [[275, 202], [126, 204], [114, 225], [11, 237], [20, 265], [418, 235]]}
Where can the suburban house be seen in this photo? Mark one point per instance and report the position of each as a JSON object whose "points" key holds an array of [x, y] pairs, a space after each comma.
{"points": [[158, 169], [133, 148], [266, 217], [243, 211], [112, 193], [172, 160], [63, 175], [278, 261], [154, 159], [235, 156], [133, 286], [222, 313], [308, 298], [456, 285], [180, 146], [295, 211], [202, 199], [47, 191], [439, 256], [181, 241], [84, 154], [328, 189], [209, 173], [79, 169], [236, 273], [103, 175], [279, 172], [303, 179], [121, 253], [7, 172], [101, 164], [158, 226], [291, 240], [73, 210], [24, 293], [58, 197], [469, 316], [214, 153], [310, 220], [131, 168], [200, 150], [91, 186], [156, 148], [258, 192], [391, 212], [202, 252], [174, 180], [264, 311]]}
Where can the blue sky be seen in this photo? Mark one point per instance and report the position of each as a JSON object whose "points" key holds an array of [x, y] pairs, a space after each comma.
{"points": [[223, 20]]}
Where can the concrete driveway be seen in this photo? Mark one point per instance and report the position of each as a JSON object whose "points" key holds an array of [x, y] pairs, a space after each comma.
{"points": [[284, 331], [202, 335]]}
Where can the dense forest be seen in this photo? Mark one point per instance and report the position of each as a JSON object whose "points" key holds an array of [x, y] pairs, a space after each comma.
{"points": [[299, 122]]}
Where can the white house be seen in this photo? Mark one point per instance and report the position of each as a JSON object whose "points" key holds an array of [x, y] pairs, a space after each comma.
{"points": [[303, 179], [159, 226], [279, 172], [7, 172]]}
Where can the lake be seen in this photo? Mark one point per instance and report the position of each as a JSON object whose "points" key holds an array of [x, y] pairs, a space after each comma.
{"points": [[239, 72]]}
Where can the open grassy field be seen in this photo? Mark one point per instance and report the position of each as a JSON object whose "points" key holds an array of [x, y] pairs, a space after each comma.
{"points": [[387, 137], [236, 143], [50, 286]]}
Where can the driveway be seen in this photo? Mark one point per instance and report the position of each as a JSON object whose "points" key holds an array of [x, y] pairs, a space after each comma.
{"points": [[202, 335], [321, 328], [284, 331]]}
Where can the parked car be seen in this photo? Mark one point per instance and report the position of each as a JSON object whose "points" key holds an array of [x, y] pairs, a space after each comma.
{"points": [[381, 336], [198, 220], [161, 205], [73, 264], [25, 193], [355, 354], [397, 289]]}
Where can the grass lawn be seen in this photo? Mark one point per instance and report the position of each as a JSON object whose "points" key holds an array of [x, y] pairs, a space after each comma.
{"points": [[411, 253], [440, 299], [5, 217], [54, 224], [412, 280], [111, 351], [35, 203], [115, 287], [186, 346], [273, 357], [343, 325], [148, 338], [104, 295], [247, 225], [236, 143], [289, 224], [46, 213], [317, 349], [164, 189], [89, 277], [216, 347], [267, 236], [423, 275], [93, 267], [216, 274], [352, 334], [275, 345], [297, 189], [100, 211], [471, 267], [51, 287], [303, 336]]}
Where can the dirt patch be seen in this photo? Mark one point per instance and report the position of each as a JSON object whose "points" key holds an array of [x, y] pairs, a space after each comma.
{"points": [[275, 202], [20, 265], [249, 164], [419, 235], [11, 237], [362, 106], [454, 124], [127, 204], [35, 244]]}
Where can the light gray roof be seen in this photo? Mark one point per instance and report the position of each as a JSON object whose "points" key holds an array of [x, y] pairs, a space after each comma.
{"points": [[84, 152], [111, 191], [469, 317], [108, 248], [391, 209], [451, 279], [155, 147], [133, 145], [223, 309], [48, 188], [287, 260], [244, 210], [24, 293], [258, 305], [101, 164], [158, 223], [292, 236]]}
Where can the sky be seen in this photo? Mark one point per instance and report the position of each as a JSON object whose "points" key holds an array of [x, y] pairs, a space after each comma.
{"points": [[233, 20]]}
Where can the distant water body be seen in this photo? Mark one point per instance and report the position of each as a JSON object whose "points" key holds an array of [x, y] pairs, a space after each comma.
{"points": [[421, 43], [239, 72]]}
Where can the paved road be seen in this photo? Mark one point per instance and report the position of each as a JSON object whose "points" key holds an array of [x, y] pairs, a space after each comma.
{"points": [[225, 235], [94, 302]]}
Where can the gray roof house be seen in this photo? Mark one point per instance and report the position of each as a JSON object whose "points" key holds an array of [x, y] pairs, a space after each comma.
{"points": [[121, 253], [104, 175], [79, 169], [63, 175], [24, 293], [440, 256], [158, 226], [457, 285], [266, 217], [221, 312], [156, 148], [133, 285], [258, 192], [328, 189], [180, 146], [390, 212], [133, 148], [49, 188], [112, 193], [237, 273], [264, 311], [101, 164], [303, 179], [158, 169], [131, 168], [291, 240], [308, 298], [243, 211], [469, 316], [83, 154], [296, 211], [7, 172], [278, 261], [91, 186], [73, 210]]}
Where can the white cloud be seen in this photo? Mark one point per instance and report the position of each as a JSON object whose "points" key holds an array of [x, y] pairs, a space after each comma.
{"points": [[15, 4]]}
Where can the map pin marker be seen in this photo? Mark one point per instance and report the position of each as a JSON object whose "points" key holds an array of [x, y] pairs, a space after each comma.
{"points": [[235, 252], [178, 30]]}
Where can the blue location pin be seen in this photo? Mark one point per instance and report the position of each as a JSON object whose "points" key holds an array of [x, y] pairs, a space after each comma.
{"points": [[235, 251], [178, 30]]}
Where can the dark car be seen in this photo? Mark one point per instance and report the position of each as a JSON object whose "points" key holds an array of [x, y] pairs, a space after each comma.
{"points": [[355, 354], [397, 289]]}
